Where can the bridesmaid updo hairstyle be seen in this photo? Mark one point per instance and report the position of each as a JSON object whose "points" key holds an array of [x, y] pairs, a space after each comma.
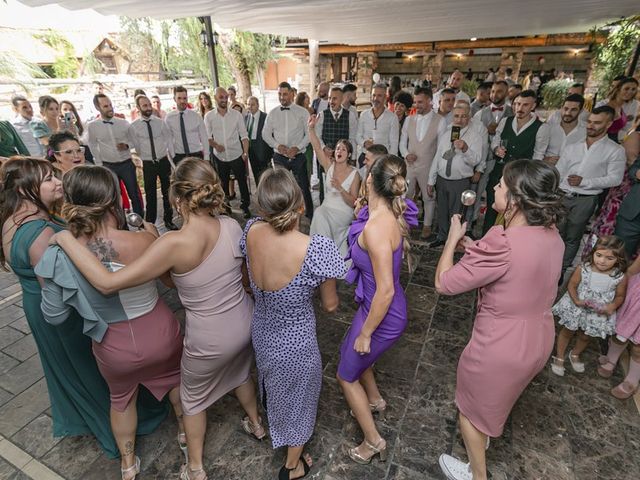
{"points": [[534, 189], [20, 180], [280, 199], [91, 192], [388, 180], [195, 186]]}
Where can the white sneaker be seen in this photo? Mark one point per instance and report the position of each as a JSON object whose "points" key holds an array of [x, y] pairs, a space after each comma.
{"points": [[454, 469]]}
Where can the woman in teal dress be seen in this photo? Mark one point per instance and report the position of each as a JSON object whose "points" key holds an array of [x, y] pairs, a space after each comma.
{"points": [[79, 396]]}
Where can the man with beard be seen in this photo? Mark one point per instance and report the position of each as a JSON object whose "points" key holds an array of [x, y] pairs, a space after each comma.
{"points": [[22, 121], [482, 98], [453, 83], [151, 139], [568, 131], [187, 129], [108, 139], [259, 151], [516, 137], [378, 125], [230, 142], [583, 116], [349, 98], [447, 100], [321, 102], [514, 90], [586, 168]]}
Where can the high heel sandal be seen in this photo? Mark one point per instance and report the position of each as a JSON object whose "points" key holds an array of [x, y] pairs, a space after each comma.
{"points": [[182, 443], [379, 407], [284, 472], [135, 468], [375, 450], [186, 472], [251, 428]]}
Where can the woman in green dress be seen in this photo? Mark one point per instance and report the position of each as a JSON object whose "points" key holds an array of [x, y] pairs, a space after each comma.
{"points": [[29, 191]]}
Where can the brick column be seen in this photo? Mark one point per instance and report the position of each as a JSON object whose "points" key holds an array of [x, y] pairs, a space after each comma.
{"points": [[511, 57], [432, 67], [367, 64]]}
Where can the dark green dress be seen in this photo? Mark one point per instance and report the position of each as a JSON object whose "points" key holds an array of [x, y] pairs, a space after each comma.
{"points": [[78, 393]]}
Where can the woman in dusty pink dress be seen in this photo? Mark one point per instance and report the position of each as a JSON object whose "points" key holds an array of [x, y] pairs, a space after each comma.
{"points": [[513, 332]]}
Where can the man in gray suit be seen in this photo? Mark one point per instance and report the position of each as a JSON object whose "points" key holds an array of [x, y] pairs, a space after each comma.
{"points": [[628, 219]]}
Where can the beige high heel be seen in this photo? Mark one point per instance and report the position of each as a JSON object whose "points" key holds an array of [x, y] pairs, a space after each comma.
{"points": [[379, 449], [135, 468], [186, 472], [257, 430]]}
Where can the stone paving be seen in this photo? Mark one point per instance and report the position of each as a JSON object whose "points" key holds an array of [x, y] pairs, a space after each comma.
{"points": [[562, 428]]}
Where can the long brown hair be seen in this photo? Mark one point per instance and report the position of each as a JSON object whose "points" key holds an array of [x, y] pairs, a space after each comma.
{"points": [[20, 180], [75, 113], [616, 245]]}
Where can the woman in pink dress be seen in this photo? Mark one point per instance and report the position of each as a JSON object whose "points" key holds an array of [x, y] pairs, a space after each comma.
{"points": [[513, 332]]}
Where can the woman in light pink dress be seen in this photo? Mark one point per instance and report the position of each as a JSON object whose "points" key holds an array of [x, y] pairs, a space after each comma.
{"points": [[513, 332]]}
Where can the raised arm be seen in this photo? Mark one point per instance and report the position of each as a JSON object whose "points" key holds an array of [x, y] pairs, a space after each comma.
{"points": [[317, 145], [153, 263]]}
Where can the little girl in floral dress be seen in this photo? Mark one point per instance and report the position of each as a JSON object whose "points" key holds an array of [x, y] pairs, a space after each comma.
{"points": [[594, 293]]}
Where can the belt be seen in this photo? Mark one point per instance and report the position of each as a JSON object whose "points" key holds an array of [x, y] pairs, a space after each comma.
{"points": [[580, 195]]}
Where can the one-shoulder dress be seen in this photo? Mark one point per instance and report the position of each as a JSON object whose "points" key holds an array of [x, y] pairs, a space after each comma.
{"points": [[352, 365]]}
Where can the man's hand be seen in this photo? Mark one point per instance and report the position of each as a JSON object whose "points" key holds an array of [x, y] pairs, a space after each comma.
{"points": [[500, 152], [282, 150], [293, 151], [476, 177], [491, 128], [411, 157], [430, 190], [574, 180], [461, 145]]}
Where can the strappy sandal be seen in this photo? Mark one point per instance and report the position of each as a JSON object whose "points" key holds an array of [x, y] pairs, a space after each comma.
{"points": [[182, 443], [557, 366], [624, 390], [603, 360], [379, 407], [257, 431], [375, 450], [284, 472], [186, 472], [135, 469]]}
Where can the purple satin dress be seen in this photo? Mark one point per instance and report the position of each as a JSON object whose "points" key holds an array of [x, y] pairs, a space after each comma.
{"points": [[352, 365]]}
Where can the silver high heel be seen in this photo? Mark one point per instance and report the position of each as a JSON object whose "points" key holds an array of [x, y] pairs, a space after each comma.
{"points": [[135, 468], [379, 449]]}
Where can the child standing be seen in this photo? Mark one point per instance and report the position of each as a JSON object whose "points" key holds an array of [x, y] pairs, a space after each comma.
{"points": [[594, 293], [627, 330]]}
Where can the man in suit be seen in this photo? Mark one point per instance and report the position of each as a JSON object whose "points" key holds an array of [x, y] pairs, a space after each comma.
{"points": [[259, 151], [321, 102], [628, 219]]}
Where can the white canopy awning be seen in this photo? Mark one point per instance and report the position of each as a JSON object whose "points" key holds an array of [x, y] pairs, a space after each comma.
{"points": [[359, 22]]}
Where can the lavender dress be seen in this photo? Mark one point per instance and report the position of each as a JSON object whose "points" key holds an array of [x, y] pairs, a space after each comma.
{"points": [[283, 331], [352, 365]]}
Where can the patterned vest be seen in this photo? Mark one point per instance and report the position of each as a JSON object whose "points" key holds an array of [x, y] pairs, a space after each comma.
{"points": [[334, 130], [519, 146]]}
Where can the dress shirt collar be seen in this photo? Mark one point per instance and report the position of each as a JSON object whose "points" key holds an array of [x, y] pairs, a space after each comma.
{"points": [[597, 142], [338, 113], [532, 118], [20, 119]]}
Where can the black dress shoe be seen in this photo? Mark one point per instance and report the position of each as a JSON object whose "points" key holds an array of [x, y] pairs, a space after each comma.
{"points": [[436, 243], [169, 225]]}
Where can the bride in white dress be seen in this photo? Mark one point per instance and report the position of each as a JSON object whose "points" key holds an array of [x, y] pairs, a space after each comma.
{"points": [[333, 217]]}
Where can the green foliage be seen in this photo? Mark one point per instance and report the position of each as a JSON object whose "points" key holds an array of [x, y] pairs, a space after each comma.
{"points": [[554, 92], [612, 56], [469, 87], [16, 68], [66, 65], [92, 65]]}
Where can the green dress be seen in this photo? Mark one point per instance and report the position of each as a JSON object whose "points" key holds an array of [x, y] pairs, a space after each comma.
{"points": [[79, 395]]}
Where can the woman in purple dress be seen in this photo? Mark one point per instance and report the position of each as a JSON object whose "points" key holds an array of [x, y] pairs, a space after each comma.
{"points": [[283, 329], [377, 242]]}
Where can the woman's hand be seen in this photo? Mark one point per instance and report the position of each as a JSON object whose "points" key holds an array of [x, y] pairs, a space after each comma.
{"points": [[58, 238], [151, 228], [313, 119], [456, 229], [362, 345]]}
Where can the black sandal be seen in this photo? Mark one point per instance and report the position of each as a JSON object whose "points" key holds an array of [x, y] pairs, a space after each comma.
{"points": [[284, 471]]}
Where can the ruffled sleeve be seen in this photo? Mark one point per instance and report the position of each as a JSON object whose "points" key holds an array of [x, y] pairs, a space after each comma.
{"points": [[243, 237], [62, 293], [323, 259], [484, 262]]}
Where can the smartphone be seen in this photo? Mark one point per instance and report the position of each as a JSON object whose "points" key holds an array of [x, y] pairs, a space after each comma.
{"points": [[68, 119], [455, 133]]}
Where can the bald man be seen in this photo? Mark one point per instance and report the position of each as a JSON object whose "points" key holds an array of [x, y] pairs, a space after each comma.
{"points": [[228, 137], [321, 102]]}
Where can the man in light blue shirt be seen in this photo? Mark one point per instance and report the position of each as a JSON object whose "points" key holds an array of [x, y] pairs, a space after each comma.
{"points": [[22, 123]]}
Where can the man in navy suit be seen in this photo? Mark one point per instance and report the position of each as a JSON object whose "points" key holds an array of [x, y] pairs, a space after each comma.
{"points": [[259, 150]]}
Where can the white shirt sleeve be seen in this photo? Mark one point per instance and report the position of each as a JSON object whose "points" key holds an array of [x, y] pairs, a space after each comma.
{"points": [[305, 132], [242, 128], [616, 165], [267, 131], [495, 143], [542, 142], [204, 138], [404, 139], [394, 136]]}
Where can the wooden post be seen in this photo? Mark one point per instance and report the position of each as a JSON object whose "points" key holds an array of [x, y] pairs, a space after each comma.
{"points": [[432, 68], [511, 58], [367, 64], [314, 59]]}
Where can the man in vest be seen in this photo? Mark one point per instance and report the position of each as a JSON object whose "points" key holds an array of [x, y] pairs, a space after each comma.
{"points": [[520, 136], [418, 144], [335, 123]]}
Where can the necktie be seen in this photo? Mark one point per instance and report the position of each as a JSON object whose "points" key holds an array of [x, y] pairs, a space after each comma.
{"points": [[284, 108], [183, 133], [336, 115], [449, 162], [153, 145], [497, 109], [251, 119], [107, 121]]}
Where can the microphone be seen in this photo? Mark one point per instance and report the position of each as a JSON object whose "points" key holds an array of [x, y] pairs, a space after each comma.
{"points": [[468, 198]]}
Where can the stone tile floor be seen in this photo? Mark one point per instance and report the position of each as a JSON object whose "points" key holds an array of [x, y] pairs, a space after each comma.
{"points": [[562, 428]]}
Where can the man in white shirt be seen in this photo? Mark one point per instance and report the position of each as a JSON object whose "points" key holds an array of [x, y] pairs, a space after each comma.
{"points": [[22, 121], [583, 116], [230, 142], [156, 103], [586, 168], [418, 145], [188, 132], [259, 150], [568, 131], [286, 132], [349, 92], [377, 124], [152, 140], [453, 82], [452, 168], [482, 98], [445, 104], [109, 140]]}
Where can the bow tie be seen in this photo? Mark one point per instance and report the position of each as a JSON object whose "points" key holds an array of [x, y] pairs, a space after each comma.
{"points": [[285, 108], [497, 109], [107, 121]]}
